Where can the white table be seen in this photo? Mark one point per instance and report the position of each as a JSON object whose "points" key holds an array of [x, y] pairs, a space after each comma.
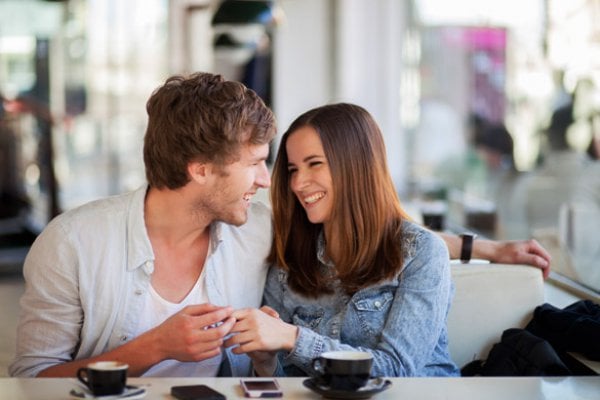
{"points": [[570, 388]]}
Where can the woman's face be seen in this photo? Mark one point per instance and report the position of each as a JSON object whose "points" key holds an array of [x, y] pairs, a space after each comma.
{"points": [[310, 177]]}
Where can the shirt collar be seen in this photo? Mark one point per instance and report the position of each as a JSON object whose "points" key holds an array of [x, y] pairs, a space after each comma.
{"points": [[216, 235], [139, 248], [321, 244], [140, 252]]}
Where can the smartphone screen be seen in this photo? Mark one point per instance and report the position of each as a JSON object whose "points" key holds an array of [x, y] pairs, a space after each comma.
{"points": [[261, 387], [196, 392]]}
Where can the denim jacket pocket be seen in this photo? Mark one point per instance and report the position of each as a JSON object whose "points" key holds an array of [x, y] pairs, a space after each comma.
{"points": [[372, 309], [307, 317]]}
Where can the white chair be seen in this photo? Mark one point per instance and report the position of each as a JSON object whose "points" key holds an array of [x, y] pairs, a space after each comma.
{"points": [[489, 299]]}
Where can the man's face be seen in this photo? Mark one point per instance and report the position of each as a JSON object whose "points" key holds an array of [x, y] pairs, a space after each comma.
{"points": [[233, 185]]}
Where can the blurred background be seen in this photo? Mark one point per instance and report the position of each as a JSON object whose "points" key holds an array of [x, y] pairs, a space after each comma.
{"points": [[490, 108]]}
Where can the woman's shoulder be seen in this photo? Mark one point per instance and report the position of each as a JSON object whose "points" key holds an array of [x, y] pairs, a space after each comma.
{"points": [[417, 239], [412, 229]]}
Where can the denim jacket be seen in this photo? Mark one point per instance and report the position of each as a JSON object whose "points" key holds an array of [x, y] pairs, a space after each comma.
{"points": [[402, 321]]}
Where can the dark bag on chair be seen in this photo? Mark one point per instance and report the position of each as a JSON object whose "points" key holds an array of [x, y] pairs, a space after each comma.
{"points": [[519, 353]]}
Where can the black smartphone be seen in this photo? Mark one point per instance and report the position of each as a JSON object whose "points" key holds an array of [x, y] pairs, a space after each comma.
{"points": [[261, 387], [196, 392]]}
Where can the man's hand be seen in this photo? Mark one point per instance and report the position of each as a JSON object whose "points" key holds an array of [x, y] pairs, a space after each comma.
{"points": [[528, 252], [195, 333]]}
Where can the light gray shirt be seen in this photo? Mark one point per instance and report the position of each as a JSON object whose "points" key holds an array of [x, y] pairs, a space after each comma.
{"points": [[88, 271]]}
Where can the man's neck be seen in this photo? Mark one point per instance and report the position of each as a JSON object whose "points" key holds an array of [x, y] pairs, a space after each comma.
{"points": [[168, 216], [180, 241]]}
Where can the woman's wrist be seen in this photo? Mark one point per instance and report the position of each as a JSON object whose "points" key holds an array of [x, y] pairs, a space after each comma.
{"points": [[292, 337]]}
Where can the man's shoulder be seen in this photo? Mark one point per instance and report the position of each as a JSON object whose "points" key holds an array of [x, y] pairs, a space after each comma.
{"points": [[96, 210], [257, 228]]}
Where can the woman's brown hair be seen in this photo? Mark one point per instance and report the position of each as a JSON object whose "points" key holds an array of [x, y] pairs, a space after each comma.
{"points": [[367, 214]]}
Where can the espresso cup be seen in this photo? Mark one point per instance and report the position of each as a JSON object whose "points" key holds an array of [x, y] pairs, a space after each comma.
{"points": [[104, 377], [434, 214], [343, 370]]}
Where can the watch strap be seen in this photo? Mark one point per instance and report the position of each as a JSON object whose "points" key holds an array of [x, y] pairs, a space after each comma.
{"points": [[466, 248]]}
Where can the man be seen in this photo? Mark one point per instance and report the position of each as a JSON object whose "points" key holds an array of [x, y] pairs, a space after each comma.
{"points": [[151, 278]]}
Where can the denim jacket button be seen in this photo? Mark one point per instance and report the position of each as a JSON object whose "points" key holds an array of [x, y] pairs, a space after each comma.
{"points": [[377, 304]]}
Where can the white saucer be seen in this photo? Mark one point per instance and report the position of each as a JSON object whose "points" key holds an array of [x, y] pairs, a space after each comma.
{"points": [[130, 393]]}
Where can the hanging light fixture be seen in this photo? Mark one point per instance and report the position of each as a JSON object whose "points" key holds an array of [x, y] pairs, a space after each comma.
{"points": [[241, 24], [263, 12]]}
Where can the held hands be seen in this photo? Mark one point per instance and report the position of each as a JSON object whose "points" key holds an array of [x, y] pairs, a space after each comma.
{"points": [[195, 333], [260, 334]]}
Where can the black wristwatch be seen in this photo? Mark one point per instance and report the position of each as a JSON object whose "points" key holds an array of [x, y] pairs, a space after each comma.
{"points": [[467, 247]]}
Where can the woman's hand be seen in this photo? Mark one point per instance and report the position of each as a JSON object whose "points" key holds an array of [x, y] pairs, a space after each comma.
{"points": [[260, 334], [260, 330]]}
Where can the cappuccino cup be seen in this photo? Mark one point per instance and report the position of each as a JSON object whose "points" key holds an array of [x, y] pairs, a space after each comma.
{"points": [[343, 370], [104, 377]]}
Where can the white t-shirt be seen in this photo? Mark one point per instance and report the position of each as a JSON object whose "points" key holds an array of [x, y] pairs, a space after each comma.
{"points": [[155, 311]]}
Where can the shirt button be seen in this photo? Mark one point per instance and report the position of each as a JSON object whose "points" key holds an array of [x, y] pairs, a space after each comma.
{"points": [[138, 292], [377, 304], [148, 264], [123, 338]]}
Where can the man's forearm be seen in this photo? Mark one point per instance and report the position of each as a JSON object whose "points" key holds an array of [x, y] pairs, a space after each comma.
{"points": [[139, 354], [482, 248]]}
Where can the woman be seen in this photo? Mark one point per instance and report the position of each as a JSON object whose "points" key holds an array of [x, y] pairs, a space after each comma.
{"points": [[351, 271]]}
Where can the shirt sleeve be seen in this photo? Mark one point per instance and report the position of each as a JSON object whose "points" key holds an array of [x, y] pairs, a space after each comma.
{"points": [[51, 314]]}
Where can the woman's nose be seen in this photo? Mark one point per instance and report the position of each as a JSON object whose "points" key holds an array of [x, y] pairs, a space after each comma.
{"points": [[299, 180]]}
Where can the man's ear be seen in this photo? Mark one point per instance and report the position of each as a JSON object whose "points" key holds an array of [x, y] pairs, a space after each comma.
{"points": [[198, 172]]}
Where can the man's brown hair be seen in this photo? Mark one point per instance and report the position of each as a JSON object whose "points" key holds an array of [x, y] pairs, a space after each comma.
{"points": [[201, 117]]}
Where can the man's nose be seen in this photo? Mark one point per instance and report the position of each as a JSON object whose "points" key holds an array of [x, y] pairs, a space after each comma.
{"points": [[264, 177]]}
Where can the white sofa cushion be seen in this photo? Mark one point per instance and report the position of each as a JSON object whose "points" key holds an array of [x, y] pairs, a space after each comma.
{"points": [[489, 299]]}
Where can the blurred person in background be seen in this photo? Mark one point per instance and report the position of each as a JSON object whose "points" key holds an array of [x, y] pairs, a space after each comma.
{"points": [[495, 148], [580, 217], [539, 194]]}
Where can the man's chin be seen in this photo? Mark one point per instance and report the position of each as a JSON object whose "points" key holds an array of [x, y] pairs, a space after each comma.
{"points": [[237, 220]]}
